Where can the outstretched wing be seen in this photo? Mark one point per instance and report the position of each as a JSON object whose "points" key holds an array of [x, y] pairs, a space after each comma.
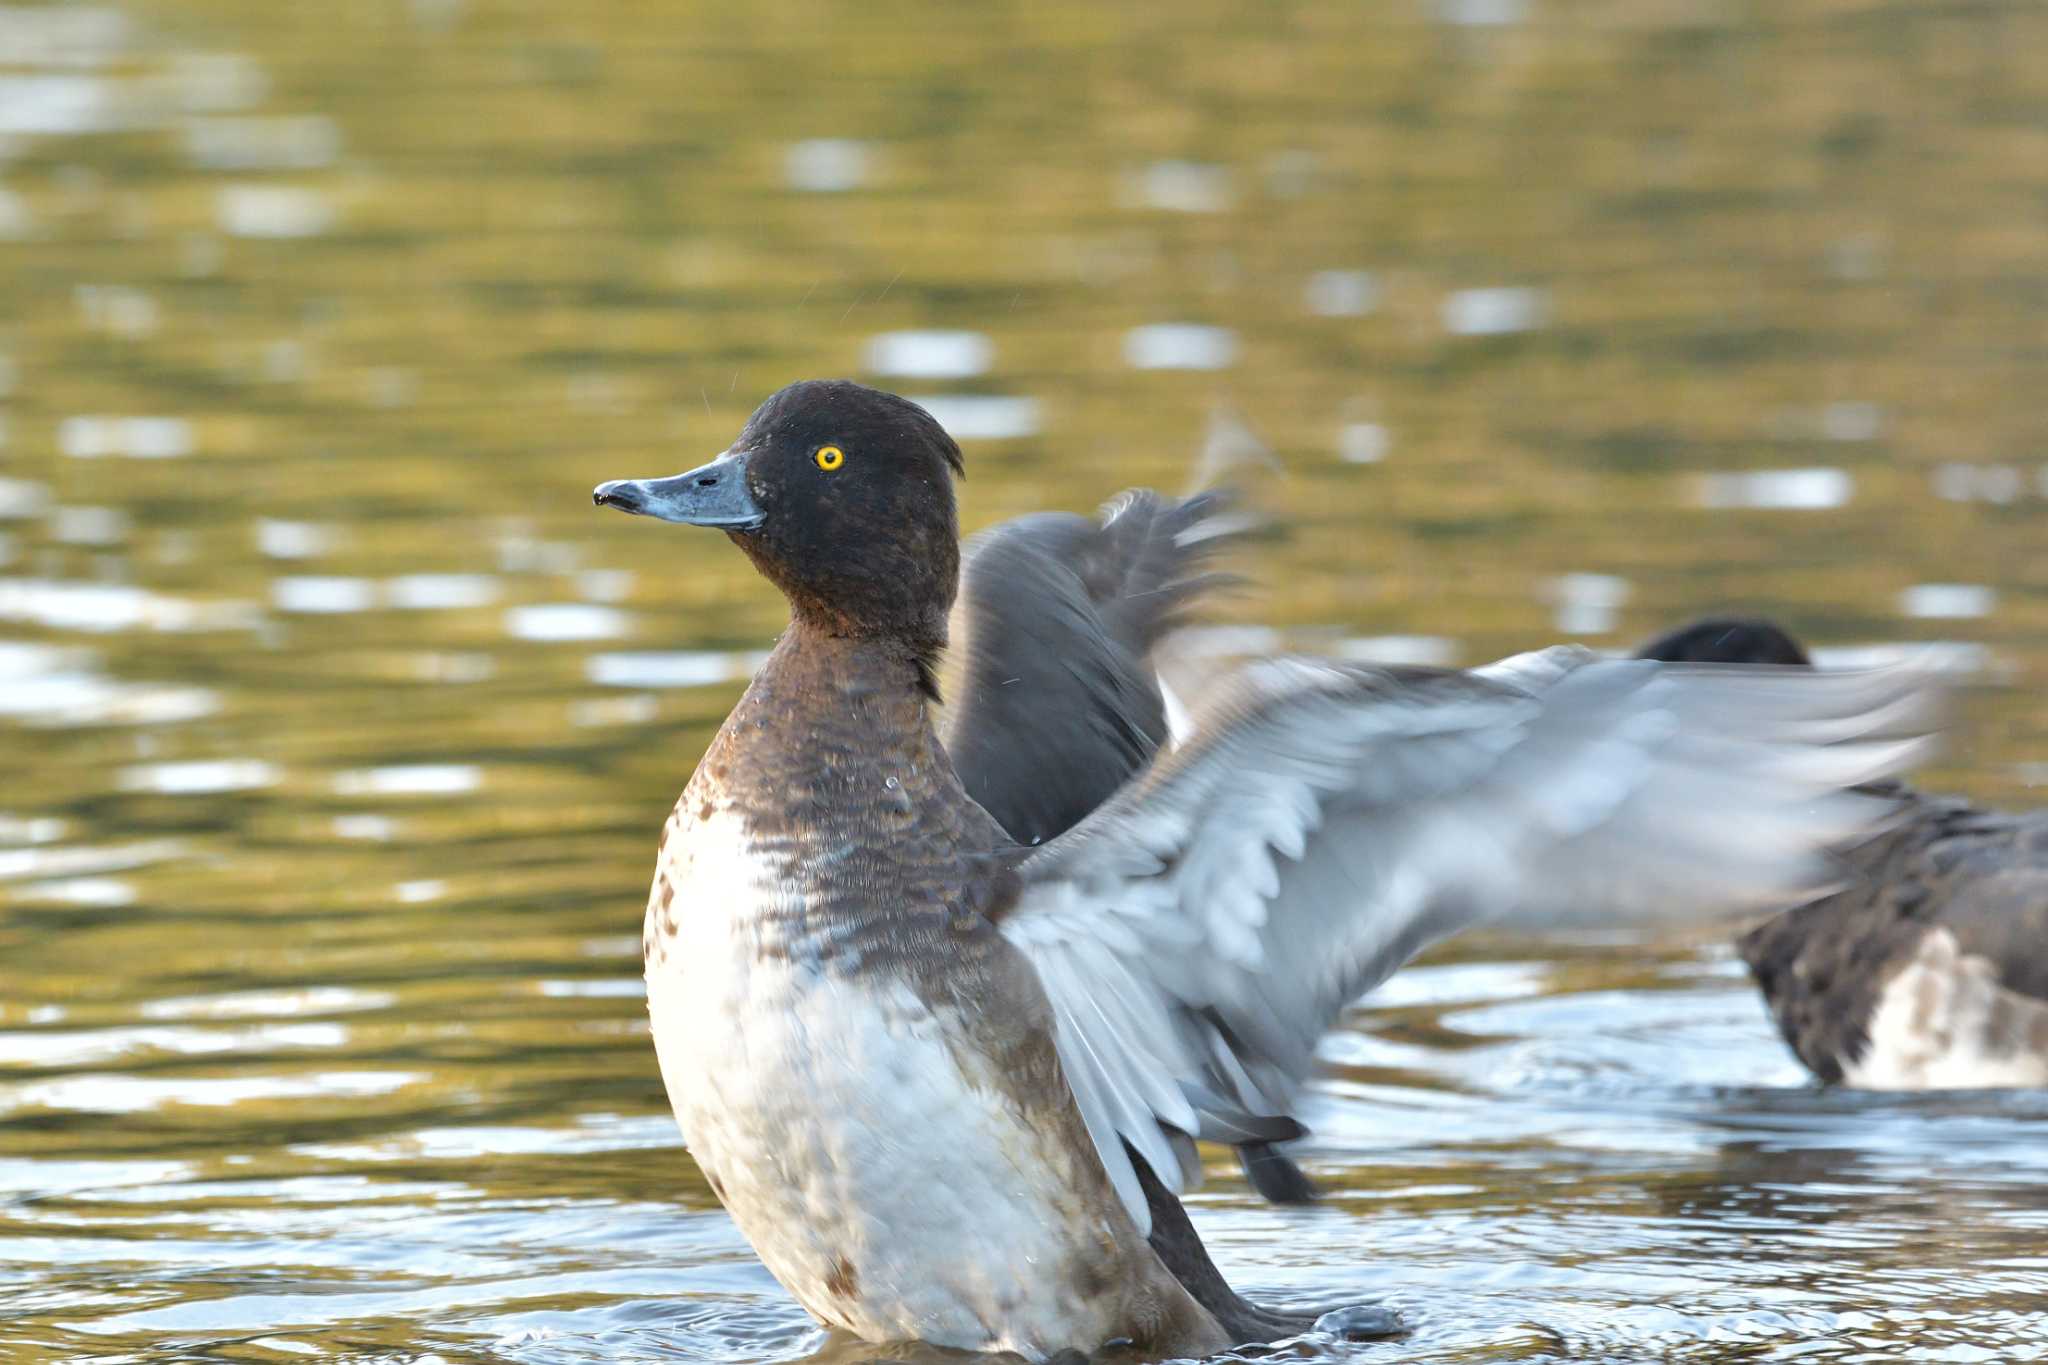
{"points": [[1059, 702], [1199, 932]]}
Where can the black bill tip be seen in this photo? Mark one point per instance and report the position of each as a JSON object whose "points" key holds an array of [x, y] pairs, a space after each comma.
{"points": [[714, 495]]}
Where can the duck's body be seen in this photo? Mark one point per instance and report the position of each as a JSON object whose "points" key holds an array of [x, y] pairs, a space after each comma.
{"points": [[1929, 971], [1929, 968], [948, 1076], [864, 1067]]}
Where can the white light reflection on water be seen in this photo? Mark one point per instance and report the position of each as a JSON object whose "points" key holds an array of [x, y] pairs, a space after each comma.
{"points": [[63, 699], [63, 36], [552, 622], [981, 417], [323, 594], [672, 668], [1795, 489], [21, 499], [102, 892], [76, 860], [1363, 443], [293, 539], [1342, 293], [311, 1000], [16, 225], [441, 591], [136, 438], [1183, 187], [416, 779], [199, 777], [62, 106], [1180, 346], [114, 607], [123, 1094], [274, 211], [39, 829], [1957, 481], [94, 1047], [618, 988], [295, 142], [89, 525], [120, 311], [827, 165], [930, 354], [604, 585], [1948, 601], [1495, 312], [1482, 13], [1586, 603], [635, 709], [1426, 651]]}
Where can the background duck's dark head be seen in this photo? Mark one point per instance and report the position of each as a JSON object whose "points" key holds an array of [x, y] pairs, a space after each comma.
{"points": [[842, 495], [1727, 640]]}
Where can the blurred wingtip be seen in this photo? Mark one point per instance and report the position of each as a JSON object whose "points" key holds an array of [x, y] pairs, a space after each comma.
{"points": [[1230, 451]]}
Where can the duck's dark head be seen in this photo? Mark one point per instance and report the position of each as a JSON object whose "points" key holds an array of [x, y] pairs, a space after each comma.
{"points": [[1727, 640], [842, 496]]}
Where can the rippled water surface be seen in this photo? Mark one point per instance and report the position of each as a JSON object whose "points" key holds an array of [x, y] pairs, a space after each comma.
{"points": [[335, 725]]}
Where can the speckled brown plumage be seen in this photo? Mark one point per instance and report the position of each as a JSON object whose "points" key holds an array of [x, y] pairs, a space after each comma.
{"points": [[829, 758], [1981, 874], [832, 765]]}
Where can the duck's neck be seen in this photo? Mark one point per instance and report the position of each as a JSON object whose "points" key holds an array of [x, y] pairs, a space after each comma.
{"points": [[821, 683], [833, 766], [833, 743]]}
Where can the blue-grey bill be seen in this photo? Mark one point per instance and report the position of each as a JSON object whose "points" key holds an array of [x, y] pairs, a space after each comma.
{"points": [[715, 494]]}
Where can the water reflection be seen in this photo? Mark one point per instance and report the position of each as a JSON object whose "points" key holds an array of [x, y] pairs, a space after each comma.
{"points": [[929, 355], [424, 779], [335, 730], [135, 438], [197, 776], [1808, 489], [1494, 312], [1180, 346], [1342, 293], [557, 621]]}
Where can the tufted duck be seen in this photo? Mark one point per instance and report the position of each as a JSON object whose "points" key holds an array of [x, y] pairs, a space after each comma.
{"points": [[1929, 969], [948, 1083]]}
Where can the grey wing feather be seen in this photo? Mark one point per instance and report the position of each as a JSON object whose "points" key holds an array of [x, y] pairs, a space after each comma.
{"points": [[1059, 703], [1199, 932], [1056, 704]]}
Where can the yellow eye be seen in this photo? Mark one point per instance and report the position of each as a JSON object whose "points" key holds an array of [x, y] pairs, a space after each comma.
{"points": [[829, 457]]}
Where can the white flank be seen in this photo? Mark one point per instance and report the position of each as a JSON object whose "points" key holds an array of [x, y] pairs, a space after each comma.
{"points": [[1944, 1023], [893, 1191]]}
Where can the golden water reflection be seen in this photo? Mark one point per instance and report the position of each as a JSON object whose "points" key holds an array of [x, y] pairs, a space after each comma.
{"points": [[334, 723]]}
